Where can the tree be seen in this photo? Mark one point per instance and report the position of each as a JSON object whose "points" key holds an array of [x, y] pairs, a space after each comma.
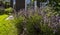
{"points": [[55, 4], [20, 4], [38, 2], [11, 3]]}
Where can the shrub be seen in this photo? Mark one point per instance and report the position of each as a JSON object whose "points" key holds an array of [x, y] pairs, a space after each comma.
{"points": [[1, 11], [6, 4], [33, 25], [36, 27], [8, 10], [18, 23], [46, 30]]}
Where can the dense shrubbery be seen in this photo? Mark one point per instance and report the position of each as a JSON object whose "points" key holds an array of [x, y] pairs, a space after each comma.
{"points": [[8, 10], [34, 26], [39, 23], [18, 23], [6, 4], [46, 21], [43, 22], [35, 23], [1, 11]]}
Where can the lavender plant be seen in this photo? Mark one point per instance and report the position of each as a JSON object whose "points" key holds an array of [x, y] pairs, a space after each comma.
{"points": [[43, 21]]}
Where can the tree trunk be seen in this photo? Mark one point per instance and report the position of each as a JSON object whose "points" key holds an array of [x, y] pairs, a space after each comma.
{"points": [[38, 3], [20, 4], [11, 3]]}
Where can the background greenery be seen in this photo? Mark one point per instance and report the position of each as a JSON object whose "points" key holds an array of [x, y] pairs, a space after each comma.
{"points": [[42, 22]]}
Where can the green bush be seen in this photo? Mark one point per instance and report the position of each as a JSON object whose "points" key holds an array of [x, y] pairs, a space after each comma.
{"points": [[32, 22], [11, 27], [1, 11], [6, 4], [46, 29], [8, 10], [18, 23], [36, 27]]}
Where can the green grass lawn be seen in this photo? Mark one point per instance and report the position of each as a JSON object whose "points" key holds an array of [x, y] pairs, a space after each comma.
{"points": [[6, 26]]}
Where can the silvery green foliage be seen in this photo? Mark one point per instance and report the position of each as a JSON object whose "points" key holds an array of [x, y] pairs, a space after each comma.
{"points": [[48, 24]]}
